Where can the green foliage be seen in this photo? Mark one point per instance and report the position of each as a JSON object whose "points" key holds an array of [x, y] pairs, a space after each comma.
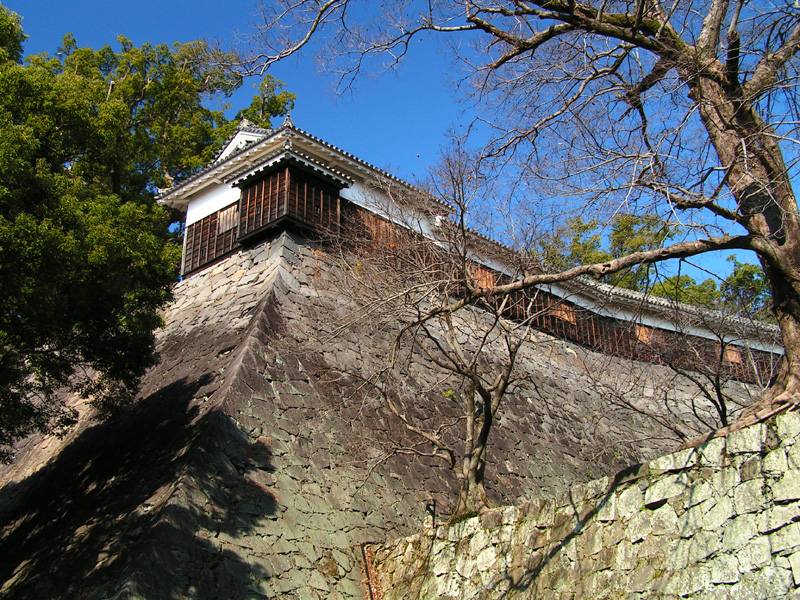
{"points": [[582, 242], [11, 36], [152, 128], [267, 103], [745, 290], [86, 258], [682, 288]]}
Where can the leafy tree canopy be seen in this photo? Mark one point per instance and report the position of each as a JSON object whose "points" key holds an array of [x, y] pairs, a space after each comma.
{"points": [[11, 36], [744, 291], [86, 258], [683, 288], [583, 242]]}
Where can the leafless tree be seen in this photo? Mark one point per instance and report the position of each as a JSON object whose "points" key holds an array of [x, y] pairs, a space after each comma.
{"points": [[697, 385], [403, 276], [686, 109]]}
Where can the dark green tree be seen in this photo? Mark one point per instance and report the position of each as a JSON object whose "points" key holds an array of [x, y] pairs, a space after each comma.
{"points": [[86, 257], [683, 288], [744, 291], [585, 242]]}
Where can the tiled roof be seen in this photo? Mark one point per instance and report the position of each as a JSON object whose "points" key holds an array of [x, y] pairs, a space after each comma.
{"points": [[289, 128]]}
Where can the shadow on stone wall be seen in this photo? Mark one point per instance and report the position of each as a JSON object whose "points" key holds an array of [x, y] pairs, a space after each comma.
{"points": [[130, 509], [565, 530], [719, 520]]}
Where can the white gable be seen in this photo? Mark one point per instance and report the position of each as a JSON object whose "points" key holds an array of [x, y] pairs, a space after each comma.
{"points": [[242, 138]]}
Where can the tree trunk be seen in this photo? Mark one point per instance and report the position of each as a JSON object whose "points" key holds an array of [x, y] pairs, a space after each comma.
{"points": [[784, 391], [767, 208], [472, 495]]}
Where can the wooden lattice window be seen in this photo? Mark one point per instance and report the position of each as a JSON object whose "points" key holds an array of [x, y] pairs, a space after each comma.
{"points": [[644, 334], [228, 219], [564, 312], [483, 276], [733, 355], [210, 238]]}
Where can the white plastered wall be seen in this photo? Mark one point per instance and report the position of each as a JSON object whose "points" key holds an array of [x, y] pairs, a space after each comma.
{"points": [[380, 203], [210, 200]]}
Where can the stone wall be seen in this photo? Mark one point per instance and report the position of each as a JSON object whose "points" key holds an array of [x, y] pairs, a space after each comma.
{"points": [[718, 521], [252, 466]]}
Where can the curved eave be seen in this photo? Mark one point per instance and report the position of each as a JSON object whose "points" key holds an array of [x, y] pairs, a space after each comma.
{"points": [[180, 196], [357, 169], [240, 177], [324, 155]]}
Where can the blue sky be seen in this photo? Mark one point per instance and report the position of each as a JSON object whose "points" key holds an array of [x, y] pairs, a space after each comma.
{"points": [[397, 121]]}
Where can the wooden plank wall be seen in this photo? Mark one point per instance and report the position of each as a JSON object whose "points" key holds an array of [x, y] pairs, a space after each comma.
{"points": [[263, 202], [204, 243], [312, 201], [291, 192]]}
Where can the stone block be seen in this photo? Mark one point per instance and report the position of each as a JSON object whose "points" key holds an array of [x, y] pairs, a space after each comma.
{"points": [[590, 540], [492, 519], [778, 516], [664, 520], [612, 533], [786, 538], [719, 511], [703, 545], [504, 535], [692, 521], [466, 566], [725, 480], [639, 526], [751, 468], [769, 582], [688, 581], [793, 456], [711, 452], [699, 491], [626, 556], [441, 563], [510, 515], [470, 527], [486, 559], [749, 496], [787, 487], [775, 462], [788, 426], [724, 569], [546, 516], [606, 558], [677, 461], [317, 581], [749, 439], [665, 487], [641, 578], [630, 502], [738, 532], [754, 555], [597, 584], [794, 562], [607, 508], [479, 541]]}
